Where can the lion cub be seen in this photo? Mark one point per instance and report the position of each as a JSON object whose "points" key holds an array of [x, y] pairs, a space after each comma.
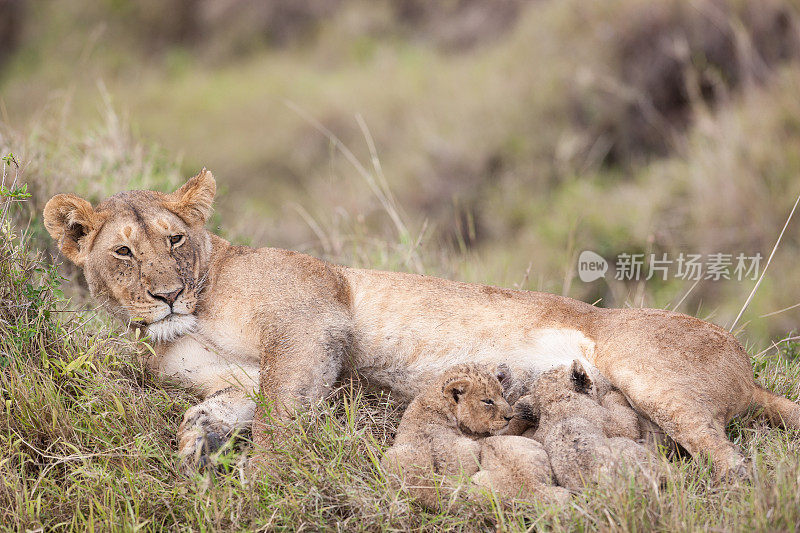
{"points": [[518, 468], [587, 442], [443, 432]]}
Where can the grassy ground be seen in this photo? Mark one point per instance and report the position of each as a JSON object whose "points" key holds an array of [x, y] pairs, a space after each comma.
{"points": [[88, 435]]}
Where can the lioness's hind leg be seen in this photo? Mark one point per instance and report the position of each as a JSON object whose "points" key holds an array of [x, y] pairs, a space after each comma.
{"points": [[693, 427], [688, 376]]}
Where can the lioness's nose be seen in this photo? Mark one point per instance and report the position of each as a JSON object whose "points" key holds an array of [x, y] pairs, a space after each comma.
{"points": [[168, 297]]}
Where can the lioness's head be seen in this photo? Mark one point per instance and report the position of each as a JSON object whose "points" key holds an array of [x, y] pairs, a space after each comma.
{"points": [[143, 252], [475, 395]]}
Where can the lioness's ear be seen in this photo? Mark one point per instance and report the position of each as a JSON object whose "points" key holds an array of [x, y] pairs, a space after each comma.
{"points": [[580, 378], [192, 202], [455, 388], [69, 219]]}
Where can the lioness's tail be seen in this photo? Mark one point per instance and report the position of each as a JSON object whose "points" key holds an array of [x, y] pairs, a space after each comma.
{"points": [[780, 411]]}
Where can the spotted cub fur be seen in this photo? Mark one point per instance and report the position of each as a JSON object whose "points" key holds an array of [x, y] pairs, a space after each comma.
{"points": [[518, 468]]}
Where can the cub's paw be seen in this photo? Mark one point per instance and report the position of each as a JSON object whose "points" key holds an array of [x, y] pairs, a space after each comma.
{"points": [[554, 495], [483, 478], [199, 436]]}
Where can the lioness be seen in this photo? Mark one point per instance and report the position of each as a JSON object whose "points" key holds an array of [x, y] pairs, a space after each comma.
{"points": [[218, 313]]}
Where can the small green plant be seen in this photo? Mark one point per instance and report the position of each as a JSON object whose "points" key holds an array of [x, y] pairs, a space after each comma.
{"points": [[791, 348], [15, 193]]}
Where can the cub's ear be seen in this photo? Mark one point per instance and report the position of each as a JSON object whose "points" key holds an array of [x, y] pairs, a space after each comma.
{"points": [[503, 374], [70, 219], [192, 202], [580, 378], [454, 388]]}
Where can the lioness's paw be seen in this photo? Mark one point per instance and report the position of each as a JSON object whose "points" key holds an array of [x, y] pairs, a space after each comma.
{"points": [[738, 471], [199, 436]]}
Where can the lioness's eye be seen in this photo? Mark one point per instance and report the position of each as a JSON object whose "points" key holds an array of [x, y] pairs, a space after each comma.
{"points": [[175, 239], [488, 402], [123, 250]]}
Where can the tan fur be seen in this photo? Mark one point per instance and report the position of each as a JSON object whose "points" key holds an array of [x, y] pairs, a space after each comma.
{"points": [[445, 431], [293, 324], [518, 383], [441, 429], [586, 442], [569, 391], [518, 468]]}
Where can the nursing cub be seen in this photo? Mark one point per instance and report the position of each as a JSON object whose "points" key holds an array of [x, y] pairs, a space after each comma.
{"points": [[447, 430], [586, 442]]}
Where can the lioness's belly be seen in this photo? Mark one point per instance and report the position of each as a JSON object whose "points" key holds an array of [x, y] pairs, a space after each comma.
{"points": [[405, 364], [408, 328]]}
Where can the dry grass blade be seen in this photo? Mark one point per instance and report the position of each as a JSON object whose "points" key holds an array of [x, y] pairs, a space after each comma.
{"points": [[779, 311], [764, 272]]}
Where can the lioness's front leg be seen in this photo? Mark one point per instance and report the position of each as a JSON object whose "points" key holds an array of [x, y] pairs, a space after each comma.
{"points": [[207, 426], [227, 384], [299, 367]]}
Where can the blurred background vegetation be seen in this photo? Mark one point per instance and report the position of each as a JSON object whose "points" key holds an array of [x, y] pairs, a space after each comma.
{"points": [[510, 135]]}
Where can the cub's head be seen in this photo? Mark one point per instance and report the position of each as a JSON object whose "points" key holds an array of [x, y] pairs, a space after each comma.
{"points": [[143, 253], [562, 391], [474, 395]]}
